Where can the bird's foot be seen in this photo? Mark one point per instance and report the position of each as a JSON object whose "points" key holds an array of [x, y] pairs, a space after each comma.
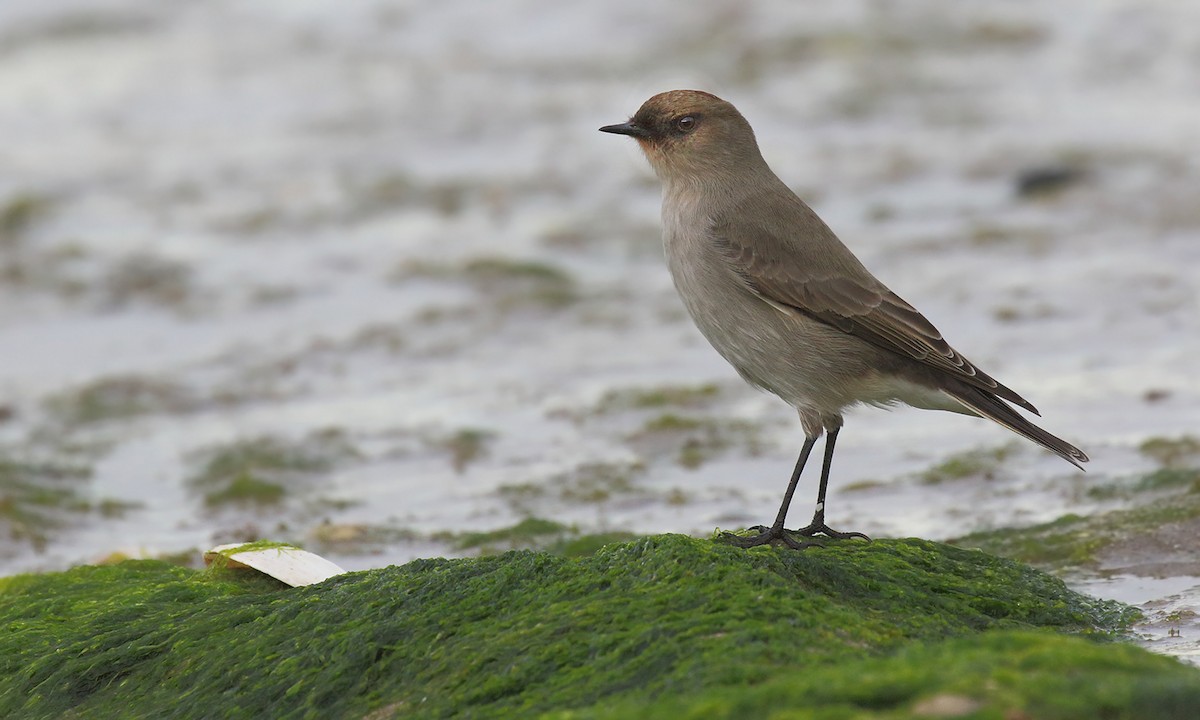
{"points": [[818, 527], [768, 536]]}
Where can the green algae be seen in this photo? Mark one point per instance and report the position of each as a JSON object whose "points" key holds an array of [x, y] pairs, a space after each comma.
{"points": [[980, 462], [244, 488], [694, 441], [260, 471], [359, 538], [521, 281], [119, 397], [508, 283], [1167, 478], [19, 213], [1172, 452], [1063, 542], [661, 619], [1161, 499], [998, 674], [662, 396], [465, 446], [598, 482], [591, 483], [385, 194], [1156, 481], [38, 494], [585, 545], [256, 545], [149, 278], [528, 531], [534, 533]]}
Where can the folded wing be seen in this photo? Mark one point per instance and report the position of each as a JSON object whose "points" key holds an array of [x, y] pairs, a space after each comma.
{"points": [[835, 288]]}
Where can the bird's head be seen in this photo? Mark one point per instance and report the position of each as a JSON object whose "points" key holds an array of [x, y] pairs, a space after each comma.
{"points": [[690, 134]]}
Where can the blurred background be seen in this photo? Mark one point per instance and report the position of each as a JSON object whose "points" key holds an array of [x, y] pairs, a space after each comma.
{"points": [[364, 276]]}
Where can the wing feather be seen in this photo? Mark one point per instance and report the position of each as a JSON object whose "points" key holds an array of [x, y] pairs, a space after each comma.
{"points": [[835, 288]]}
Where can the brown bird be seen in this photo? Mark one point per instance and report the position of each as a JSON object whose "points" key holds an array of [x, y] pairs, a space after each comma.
{"points": [[787, 304]]}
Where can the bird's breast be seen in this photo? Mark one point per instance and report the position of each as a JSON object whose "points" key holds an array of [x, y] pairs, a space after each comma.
{"points": [[744, 329], [773, 347]]}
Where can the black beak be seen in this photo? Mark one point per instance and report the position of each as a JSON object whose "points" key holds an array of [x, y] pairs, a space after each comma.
{"points": [[629, 128]]}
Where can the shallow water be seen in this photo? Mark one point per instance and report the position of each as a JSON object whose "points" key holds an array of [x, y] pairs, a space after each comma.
{"points": [[397, 220]]}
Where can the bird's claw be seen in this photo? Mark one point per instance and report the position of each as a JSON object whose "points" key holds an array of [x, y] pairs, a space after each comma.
{"points": [[819, 528], [768, 536]]}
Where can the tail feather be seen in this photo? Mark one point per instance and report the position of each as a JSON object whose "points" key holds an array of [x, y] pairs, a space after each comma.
{"points": [[993, 408]]}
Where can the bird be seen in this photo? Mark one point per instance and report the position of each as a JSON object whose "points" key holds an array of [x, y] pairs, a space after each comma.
{"points": [[788, 305]]}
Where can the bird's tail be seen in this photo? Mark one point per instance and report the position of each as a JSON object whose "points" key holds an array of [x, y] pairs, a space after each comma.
{"points": [[991, 407]]}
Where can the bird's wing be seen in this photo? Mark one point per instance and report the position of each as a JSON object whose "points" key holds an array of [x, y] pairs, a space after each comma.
{"points": [[826, 282]]}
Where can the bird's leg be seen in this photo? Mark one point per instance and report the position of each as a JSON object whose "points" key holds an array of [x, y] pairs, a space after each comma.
{"points": [[818, 526], [776, 531]]}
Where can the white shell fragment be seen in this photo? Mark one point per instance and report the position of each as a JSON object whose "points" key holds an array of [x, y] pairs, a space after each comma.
{"points": [[285, 563]]}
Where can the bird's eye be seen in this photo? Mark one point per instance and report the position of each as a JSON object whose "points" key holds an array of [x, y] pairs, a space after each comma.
{"points": [[685, 124]]}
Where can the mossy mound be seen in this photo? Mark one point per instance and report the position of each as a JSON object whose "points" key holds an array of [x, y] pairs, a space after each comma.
{"points": [[668, 626], [1005, 674]]}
